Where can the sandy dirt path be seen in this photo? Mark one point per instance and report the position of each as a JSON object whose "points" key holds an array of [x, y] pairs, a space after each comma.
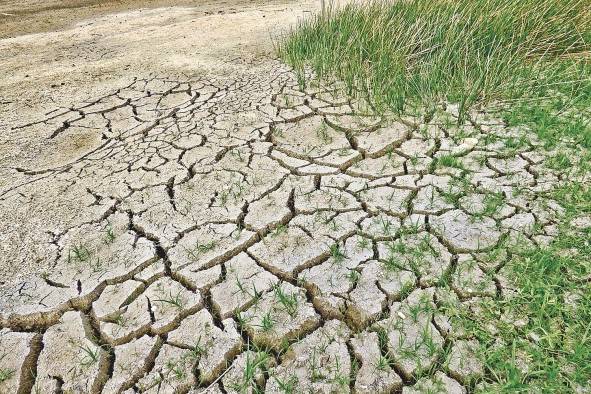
{"points": [[34, 16], [42, 70]]}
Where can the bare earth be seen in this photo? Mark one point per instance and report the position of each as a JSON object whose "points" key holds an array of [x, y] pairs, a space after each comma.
{"points": [[172, 203]]}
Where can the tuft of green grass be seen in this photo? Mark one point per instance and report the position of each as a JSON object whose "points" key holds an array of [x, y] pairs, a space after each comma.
{"points": [[90, 355], [562, 113], [267, 322], [6, 374], [79, 253], [287, 385], [109, 235], [422, 52], [172, 299], [537, 337], [200, 248], [256, 363], [289, 302], [552, 351], [560, 161], [337, 253], [449, 161]]}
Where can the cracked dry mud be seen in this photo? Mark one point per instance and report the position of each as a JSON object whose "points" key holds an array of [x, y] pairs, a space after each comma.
{"points": [[205, 217]]}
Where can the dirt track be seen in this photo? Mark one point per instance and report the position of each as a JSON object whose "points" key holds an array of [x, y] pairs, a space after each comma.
{"points": [[25, 17], [102, 53]]}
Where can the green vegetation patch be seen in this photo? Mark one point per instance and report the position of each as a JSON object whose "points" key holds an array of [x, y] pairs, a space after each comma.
{"points": [[530, 61], [421, 52]]}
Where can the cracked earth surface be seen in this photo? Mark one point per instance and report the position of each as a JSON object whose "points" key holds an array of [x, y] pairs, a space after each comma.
{"points": [[197, 221]]}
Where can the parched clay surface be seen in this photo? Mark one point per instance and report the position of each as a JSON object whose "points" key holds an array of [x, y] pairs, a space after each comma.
{"points": [[159, 234]]}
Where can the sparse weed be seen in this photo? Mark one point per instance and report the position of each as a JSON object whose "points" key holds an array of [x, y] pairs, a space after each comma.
{"points": [[287, 385], [323, 134], [172, 299], [492, 203], [382, 364], [256, 363], [241, 320], [559, 161], [363, 243], [279, 230], [267, 322], [449, 161], [90, 355], [177, 369], [6, 374], [109, 235], [200, 248], [79, 253], [353, 277], [337, 254], [289, 302], [451, 197]]}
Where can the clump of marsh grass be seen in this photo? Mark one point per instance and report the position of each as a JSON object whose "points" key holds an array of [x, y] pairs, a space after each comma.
{"points": [[422, 52]]}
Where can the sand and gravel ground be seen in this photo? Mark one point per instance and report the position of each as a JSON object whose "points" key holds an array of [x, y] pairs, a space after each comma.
{"points": [[178, 215]]}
